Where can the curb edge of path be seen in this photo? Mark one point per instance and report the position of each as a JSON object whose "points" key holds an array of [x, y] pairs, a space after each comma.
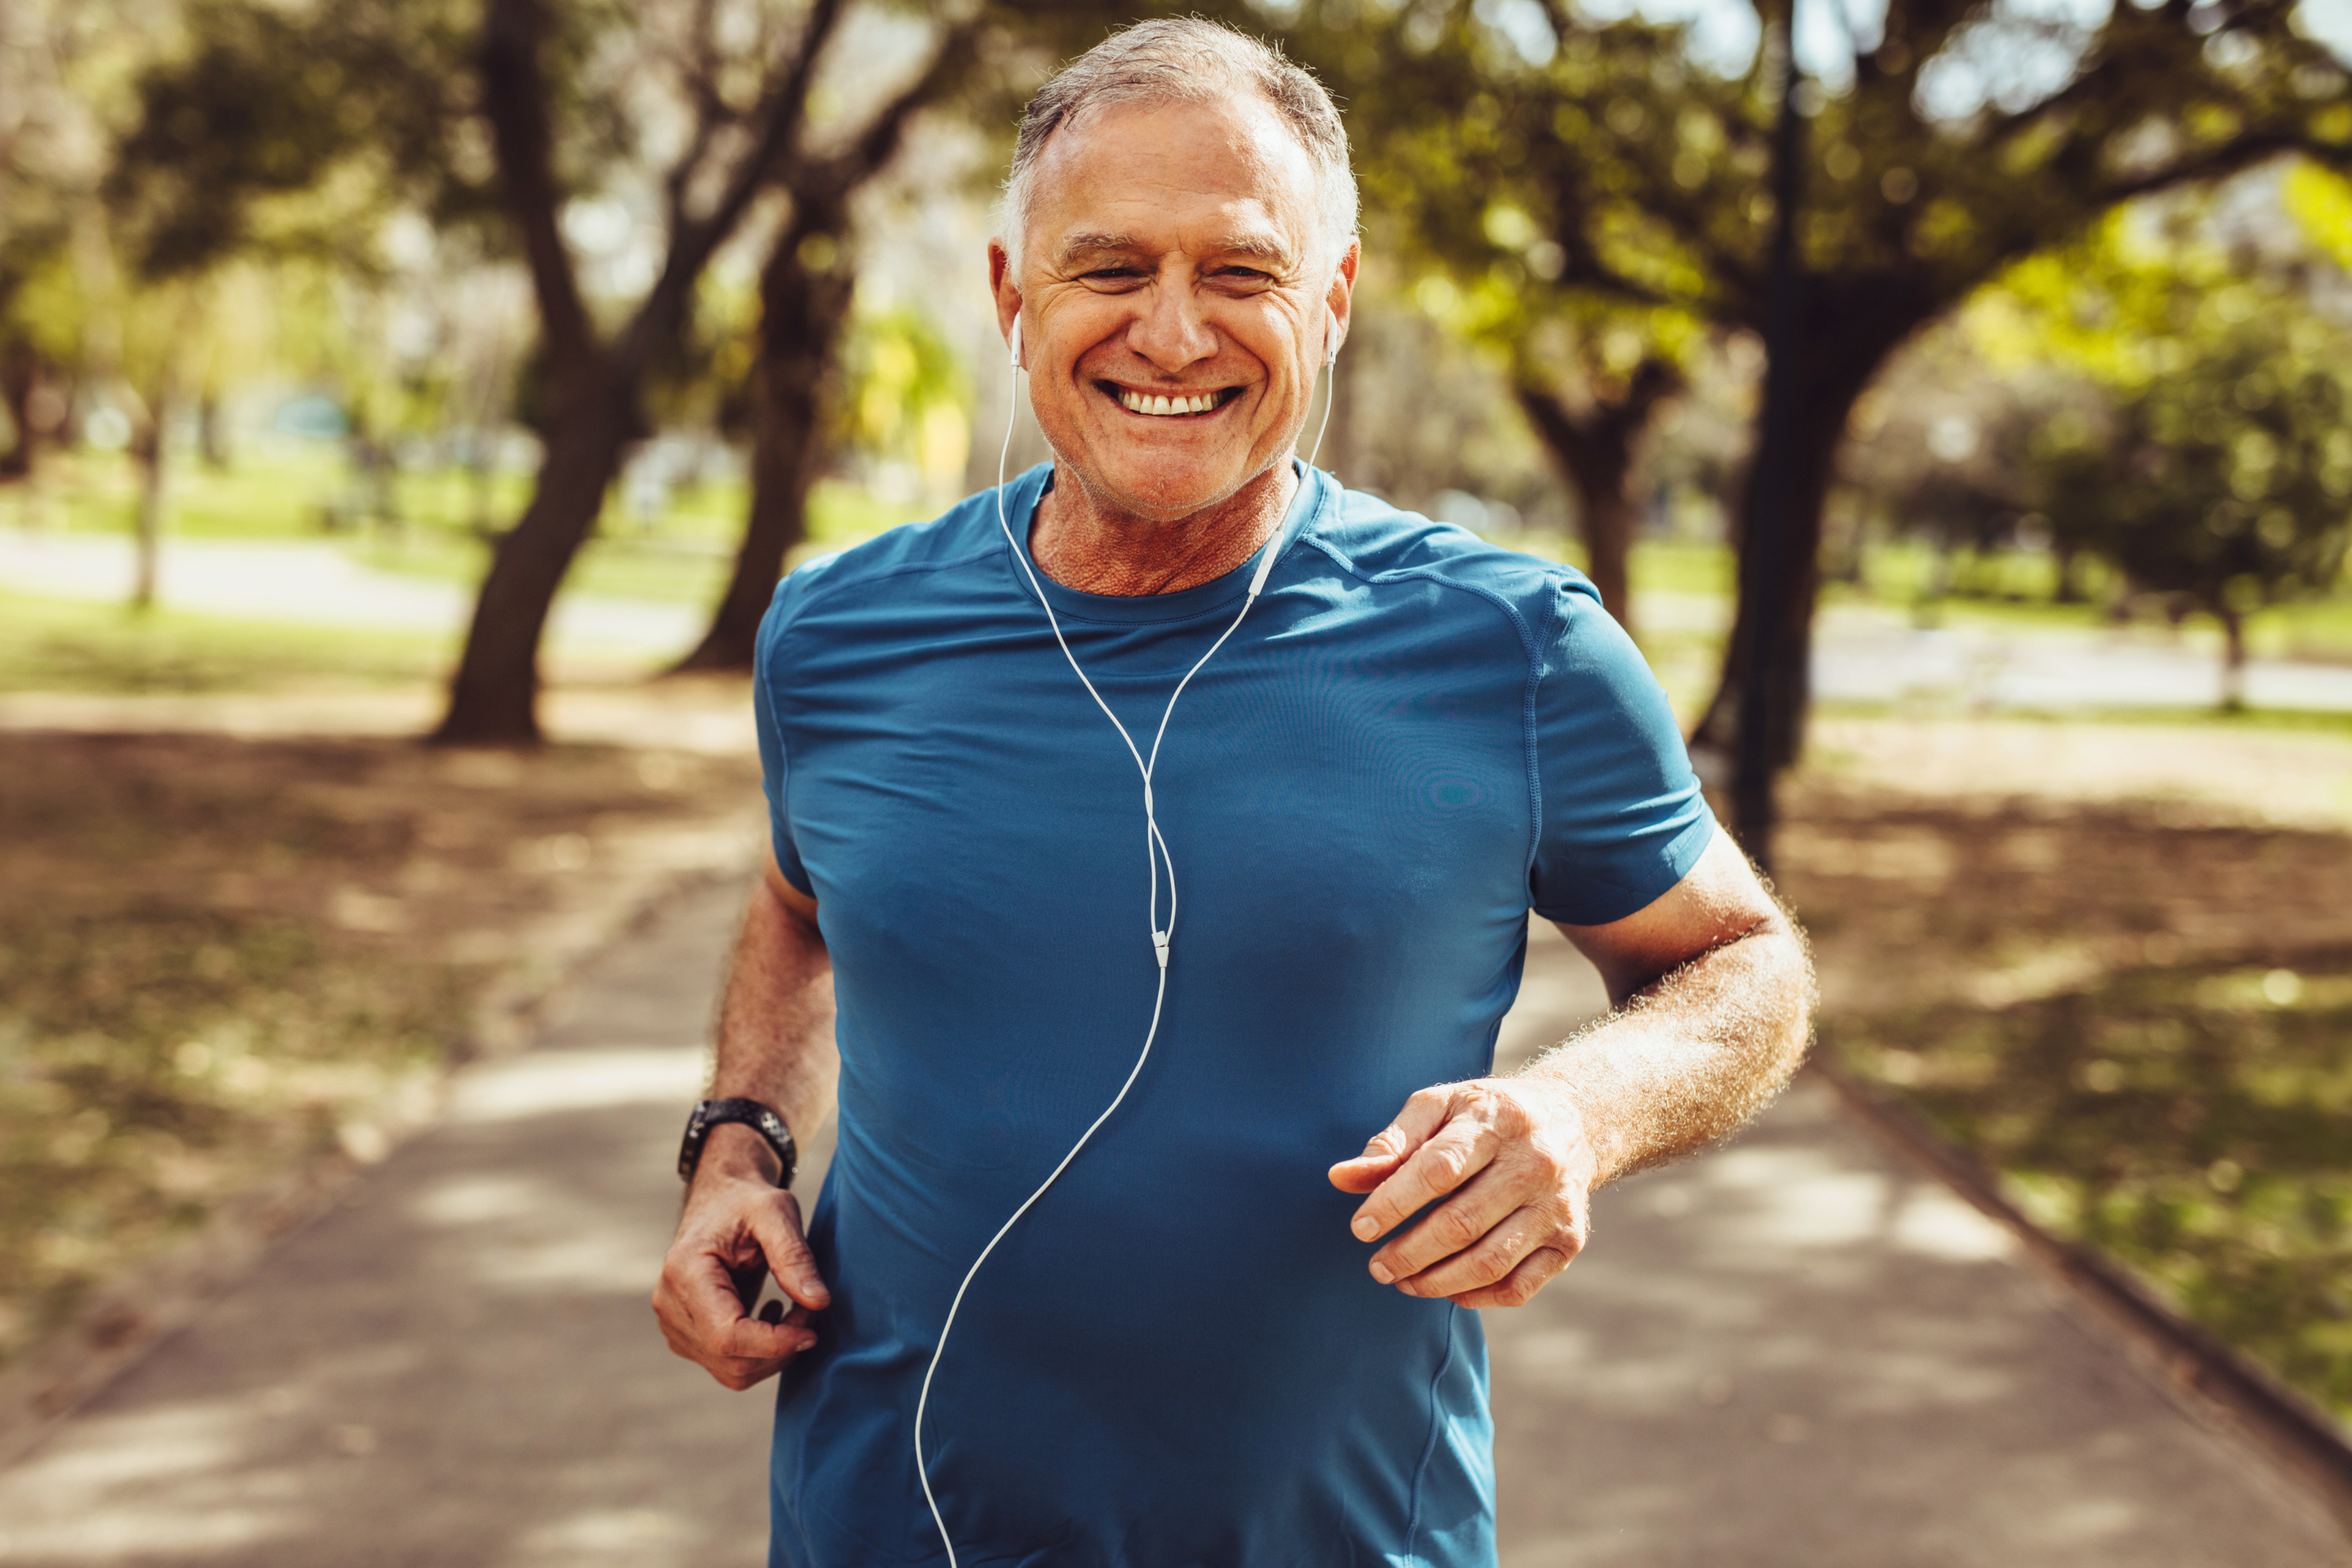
{"points": [[2214, 1382], [138, 1312]]}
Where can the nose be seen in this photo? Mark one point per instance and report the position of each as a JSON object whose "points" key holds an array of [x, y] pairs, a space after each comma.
{"points": [[1170, 330]]}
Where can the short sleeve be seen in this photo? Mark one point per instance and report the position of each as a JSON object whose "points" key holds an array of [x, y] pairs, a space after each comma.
{"points": [[1622, 818], [775, 758]]}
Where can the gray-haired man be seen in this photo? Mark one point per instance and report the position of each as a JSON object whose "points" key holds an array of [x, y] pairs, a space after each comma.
{"points": [[1201, 1343]]}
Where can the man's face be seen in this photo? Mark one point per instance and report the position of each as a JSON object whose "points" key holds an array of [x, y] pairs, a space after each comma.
{"points": [[1173, 251]]}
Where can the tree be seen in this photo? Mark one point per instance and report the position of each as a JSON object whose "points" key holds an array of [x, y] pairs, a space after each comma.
{"points": [[806, 288], [57, 67], [1966, 135], [2217, 468], [1587, 370], [593, 378]]}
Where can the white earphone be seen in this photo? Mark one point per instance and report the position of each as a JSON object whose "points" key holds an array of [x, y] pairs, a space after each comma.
{"points": [[1155, 852]]}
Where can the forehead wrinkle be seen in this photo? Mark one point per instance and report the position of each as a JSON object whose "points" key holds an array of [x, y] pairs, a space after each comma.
{"points": [[1258, 246], [1085, 243]]}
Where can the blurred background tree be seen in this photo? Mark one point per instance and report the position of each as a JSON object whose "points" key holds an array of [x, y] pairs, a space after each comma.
{"points": [[2210, 461], [1940, 145], [807, 287]]}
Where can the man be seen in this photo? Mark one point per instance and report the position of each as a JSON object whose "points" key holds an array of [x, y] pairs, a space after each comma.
{"points": [[1201, 1344]]}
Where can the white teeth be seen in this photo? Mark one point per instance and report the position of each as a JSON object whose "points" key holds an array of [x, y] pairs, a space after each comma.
{"points": [[1139, 403]]}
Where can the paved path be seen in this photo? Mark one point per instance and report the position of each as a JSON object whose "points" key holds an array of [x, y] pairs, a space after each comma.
{"points": [[313, 582], [1862, 653], [1790, 1352]]}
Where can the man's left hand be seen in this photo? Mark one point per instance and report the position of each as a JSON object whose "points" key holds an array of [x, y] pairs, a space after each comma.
{"points": [[1509, 1166]]}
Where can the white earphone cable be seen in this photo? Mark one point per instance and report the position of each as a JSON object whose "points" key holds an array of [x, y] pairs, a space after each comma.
{"points": [[1155, 858]]}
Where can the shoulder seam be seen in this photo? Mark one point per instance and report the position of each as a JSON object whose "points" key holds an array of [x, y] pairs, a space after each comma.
{"points": [[1528, 647], [906, 569]]}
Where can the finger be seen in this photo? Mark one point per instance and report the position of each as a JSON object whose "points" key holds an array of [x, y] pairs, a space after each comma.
{"points": [[778, 1231], [737, 1373], [699, 1298], [1501, 1242], [1423, 1115], [749, 1338], [1460, 1149], [740, 1353], [1461, 1224], [1517, 1288]]}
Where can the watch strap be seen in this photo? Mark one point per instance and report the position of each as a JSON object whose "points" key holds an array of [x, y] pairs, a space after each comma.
{"points": [[751, 1114]]}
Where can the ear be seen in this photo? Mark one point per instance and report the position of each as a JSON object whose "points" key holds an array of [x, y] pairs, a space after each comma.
{"points": [[1339, 302], [1000, 283]]}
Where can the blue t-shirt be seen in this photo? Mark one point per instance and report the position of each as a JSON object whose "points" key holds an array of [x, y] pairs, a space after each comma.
{"points": [[1178, 1356]]}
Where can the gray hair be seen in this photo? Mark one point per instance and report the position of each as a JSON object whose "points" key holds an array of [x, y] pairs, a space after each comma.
{"points": [[1187, 60]]}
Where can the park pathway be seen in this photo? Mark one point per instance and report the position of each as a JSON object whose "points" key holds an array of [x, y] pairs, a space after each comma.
{"points": [[1794, 1352]]}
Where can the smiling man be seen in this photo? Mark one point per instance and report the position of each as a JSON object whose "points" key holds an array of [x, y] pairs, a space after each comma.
{"points": [[1084, 1286]]}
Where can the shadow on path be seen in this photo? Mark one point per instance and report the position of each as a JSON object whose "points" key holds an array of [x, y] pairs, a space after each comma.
{"points": [[1788, 1352]]}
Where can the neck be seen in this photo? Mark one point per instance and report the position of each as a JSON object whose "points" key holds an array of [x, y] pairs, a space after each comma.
{"points": [[1084, 541]]}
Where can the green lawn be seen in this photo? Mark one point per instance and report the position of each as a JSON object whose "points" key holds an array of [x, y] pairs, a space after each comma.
{"points": [[48, 644], [291, 488]]}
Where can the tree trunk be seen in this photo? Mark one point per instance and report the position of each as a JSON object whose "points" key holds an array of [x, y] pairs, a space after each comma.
{"points": [[1847, 334], [494, 697], [149, 516], [147, 451], [20, 374], [803, 313], [1594, 453], [2233, 660], [211, 430], [1794, 578]]}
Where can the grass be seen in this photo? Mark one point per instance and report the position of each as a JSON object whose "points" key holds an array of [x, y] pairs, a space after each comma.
{"points": [[288, 487], [2193, 1122], [295, 490], [224, 961], [160, 1046], [48, 645], [155, 1059]]}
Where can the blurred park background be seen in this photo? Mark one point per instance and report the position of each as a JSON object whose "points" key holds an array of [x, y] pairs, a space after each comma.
{"points": [[1953, 397]]}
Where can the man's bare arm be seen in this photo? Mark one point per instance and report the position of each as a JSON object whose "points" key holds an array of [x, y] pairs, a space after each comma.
{"points": [[775, 1045], [1712, 993]]}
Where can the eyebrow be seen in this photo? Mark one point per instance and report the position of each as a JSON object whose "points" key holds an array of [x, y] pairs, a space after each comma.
{"points": [[1257, 246]]}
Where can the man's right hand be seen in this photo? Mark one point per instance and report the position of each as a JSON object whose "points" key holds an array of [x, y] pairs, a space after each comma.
{"points": [[738, 1228]]}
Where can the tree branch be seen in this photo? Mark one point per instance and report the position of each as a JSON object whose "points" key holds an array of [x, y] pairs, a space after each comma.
{"points": [[701, 69], [780, 114], [515, 101], [879, 142]]}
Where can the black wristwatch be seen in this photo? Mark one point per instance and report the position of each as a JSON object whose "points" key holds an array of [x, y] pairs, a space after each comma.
{"points": [[752, 1114]]}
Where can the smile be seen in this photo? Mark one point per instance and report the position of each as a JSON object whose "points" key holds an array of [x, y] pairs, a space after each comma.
{"points": [[1162, 407]]}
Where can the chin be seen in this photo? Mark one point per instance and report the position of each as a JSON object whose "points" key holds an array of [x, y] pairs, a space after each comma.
{"points": [[1160, 484]]}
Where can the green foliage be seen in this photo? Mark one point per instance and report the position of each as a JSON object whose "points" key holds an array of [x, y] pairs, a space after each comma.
{"points": [[2321, 202], [2193, 1122], [904, 390], [278, 129], [1610, 158], [2220, 466]]}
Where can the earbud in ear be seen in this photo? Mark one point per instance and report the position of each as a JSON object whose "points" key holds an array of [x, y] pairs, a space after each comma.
{"points": [[1016, 339], [1330, 337]]}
